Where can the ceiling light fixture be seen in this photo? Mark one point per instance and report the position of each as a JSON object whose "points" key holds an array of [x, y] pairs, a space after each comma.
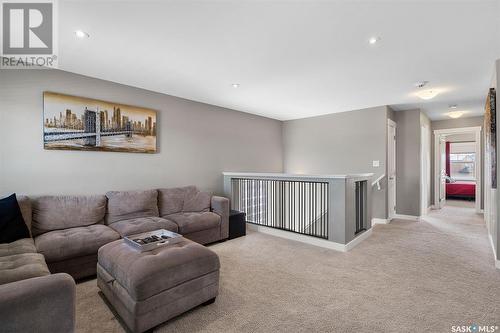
{"points": [[235, 85], [421, 84], [453, 106], [81, 34], [374, 40], [427, 94], [455, 114]]}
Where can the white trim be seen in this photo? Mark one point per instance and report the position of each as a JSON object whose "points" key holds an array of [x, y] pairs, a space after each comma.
{"points": [[311, 240], [437, 135], [426, 211], [497, 262], [425, 168], [391, 123], [407, 217], [358, 239], [492, 247], [290, 175], [437, 170], [458, 130], [380, 221]]}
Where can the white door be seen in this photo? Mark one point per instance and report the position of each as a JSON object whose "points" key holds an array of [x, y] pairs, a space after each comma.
{"points": [[442, 172], [391, 168]]}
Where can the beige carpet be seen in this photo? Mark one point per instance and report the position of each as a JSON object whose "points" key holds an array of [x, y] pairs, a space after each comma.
{"points": [[407, 277], [460, 203]]}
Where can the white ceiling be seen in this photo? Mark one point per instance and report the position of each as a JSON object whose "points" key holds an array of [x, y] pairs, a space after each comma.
{"points": [[293, 59]]}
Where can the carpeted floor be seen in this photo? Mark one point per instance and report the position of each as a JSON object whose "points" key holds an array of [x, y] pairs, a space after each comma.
{"points": [[460, 203], [407, 277]]}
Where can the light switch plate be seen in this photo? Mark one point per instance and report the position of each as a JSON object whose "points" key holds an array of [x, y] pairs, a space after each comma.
{"points": [[376, 164]]}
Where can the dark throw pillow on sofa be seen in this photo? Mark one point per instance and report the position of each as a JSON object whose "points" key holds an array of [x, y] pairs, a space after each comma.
{"points": [[12, 225]]}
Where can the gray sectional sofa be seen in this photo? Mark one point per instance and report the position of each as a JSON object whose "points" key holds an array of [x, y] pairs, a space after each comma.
{"points": [[67, 233]]}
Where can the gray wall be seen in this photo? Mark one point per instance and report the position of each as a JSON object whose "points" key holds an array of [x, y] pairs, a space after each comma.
{"points": [[408, 162], [457, 123], [339, 143], [196, 141], [465, 137]]}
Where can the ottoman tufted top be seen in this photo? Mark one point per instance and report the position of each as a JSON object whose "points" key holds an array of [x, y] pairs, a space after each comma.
{"points": [[144, 274]]}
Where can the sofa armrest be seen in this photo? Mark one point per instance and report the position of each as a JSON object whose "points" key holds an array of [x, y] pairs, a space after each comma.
{"points": [[220, 206], [41, 304]]}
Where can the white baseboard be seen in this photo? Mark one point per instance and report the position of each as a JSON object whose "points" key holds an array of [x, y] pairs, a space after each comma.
{"points": [[406, 217], [349, 246], [426, 211], [311, 240], [380, 221], [497, 262]]}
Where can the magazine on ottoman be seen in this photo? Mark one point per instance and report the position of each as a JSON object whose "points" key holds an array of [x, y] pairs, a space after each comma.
{"points": [[151, 240]]}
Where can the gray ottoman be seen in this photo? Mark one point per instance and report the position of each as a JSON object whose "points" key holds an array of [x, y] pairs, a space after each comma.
{"points": [[149, 288]]}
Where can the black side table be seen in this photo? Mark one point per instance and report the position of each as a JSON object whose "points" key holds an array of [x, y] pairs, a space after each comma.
{"points": [[237, 224]]}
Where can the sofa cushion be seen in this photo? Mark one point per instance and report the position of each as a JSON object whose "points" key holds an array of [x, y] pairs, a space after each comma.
{"points": [[197, 202], [25, 206], [171, 200], [12, 226], [22, 266], [25, 245], [63, 212], [193, 222], [143, 224], [126, 205], [145, 274], [182, 199], [74, 242]]}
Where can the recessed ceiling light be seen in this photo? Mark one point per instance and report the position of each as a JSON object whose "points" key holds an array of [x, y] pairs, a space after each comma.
{"points": [[427, 94], [374, 40], [235, 85], [81, 34], [453, 106], [455, 114], [421, 84]]}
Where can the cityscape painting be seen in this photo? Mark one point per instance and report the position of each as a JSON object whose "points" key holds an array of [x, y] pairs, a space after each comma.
{"points": [[78, 123], [490, 126]]}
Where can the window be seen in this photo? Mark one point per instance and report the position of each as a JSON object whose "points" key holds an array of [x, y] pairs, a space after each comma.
{"points": [[462, 166]]}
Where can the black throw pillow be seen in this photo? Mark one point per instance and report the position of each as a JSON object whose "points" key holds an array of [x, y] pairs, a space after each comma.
{"points": [[12, 225]]}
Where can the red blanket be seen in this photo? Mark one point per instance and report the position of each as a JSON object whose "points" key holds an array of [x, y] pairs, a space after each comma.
{"points": [[463, 188]]}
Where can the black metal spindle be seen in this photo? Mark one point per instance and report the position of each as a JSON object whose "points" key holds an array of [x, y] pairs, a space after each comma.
{"points": [[297, 206]]}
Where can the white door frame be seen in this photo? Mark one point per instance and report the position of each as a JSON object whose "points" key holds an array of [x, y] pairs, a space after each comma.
{"points": [[391, 213], [425, 168], [437, 136]]}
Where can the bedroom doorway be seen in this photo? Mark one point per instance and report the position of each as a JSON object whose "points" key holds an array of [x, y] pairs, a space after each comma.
{"points": [[457, 168]]}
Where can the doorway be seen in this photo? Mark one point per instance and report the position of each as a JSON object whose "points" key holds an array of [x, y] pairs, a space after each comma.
{"points": [[457, 168]]}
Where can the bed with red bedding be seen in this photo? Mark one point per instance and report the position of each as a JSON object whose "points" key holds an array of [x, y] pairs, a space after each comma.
{"points": [[461, 189]]}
